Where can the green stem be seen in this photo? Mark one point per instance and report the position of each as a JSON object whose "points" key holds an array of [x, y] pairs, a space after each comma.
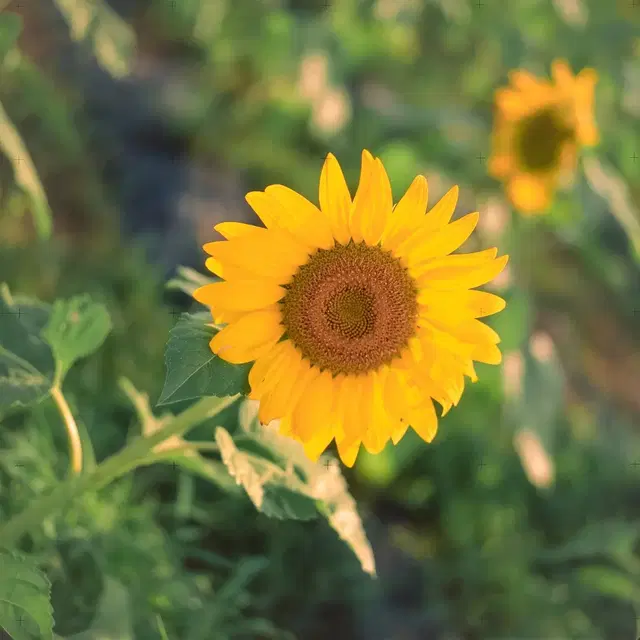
{"points": [[75, 443], [137, 451]]}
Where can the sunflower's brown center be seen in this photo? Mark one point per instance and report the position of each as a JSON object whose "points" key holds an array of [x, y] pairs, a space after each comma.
{"points": [[350, 309], [540, 139]]}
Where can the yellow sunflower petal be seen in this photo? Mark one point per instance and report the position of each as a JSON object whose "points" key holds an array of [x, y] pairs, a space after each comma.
{"points": [[399, 432], [524, 81], [377, 204], [530, 193], [462, 277], [363, 196], [241, 295], [226, 316], [348, 452], [364, 416], [511, 106], [314, 412], [382, 424], [407, 214], [470, 332], [315, 446], [442, 211], [562, 75], [231, 230], [487, 353], [423, 420], [335, 199], [246, 339], [394, 393], [586, 129], [458, 260], [348, 400], [275, 255], [281, 400], [263, 366], [421, 247], [302, 218], [478, 304], [228, 272]]}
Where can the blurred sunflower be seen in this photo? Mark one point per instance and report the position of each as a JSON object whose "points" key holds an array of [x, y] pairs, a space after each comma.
{"points": [[539, 128], [355, 314]]}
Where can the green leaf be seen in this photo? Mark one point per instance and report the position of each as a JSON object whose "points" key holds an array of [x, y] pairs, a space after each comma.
{"points": [[175, 449], [277, 481], [193, 370], [25, 174], [10, 28], [609, 582], [26, 363], [188, 280], [77, 327], [25, 607], [113, 619], [77, 584], [614, 538], [264, 483]]}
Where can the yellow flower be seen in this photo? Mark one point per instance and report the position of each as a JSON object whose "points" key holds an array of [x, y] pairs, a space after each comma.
{"points": [[354, 313], [540, 126]]}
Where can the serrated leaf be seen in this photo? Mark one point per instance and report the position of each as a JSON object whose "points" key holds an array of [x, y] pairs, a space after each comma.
{"points": [[26, 362], [321, 482], [25, 607], [10, 28], [193, 370], [77, 328], [264, 484], [328, 485]]}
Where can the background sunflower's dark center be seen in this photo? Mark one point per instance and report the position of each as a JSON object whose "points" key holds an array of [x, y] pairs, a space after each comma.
{"points": [[350, 309], [540, 140]]}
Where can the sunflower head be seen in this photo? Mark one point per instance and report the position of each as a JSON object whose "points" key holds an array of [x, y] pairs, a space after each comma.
{"points": [[354, 313], [540, 126]]}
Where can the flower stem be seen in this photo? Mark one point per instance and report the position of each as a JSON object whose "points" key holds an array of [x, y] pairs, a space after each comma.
{"points": [[139, 450], [75, 443]]}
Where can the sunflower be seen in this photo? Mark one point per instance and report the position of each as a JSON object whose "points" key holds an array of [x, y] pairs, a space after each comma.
{"points": [[539, 128], [355, 316]]}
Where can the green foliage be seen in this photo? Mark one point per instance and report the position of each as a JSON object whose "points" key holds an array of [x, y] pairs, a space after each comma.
{"points": [[283, 483], [265, 484], [467, 538], [24, 171], [25, 611], [10, 27], [38, 344], [109, 37], [192, 369], [76, 328], [26, 363], [113, 616]]}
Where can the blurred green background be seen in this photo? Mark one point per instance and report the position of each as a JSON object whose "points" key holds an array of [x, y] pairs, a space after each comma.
{"points": [[136, 125]]}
